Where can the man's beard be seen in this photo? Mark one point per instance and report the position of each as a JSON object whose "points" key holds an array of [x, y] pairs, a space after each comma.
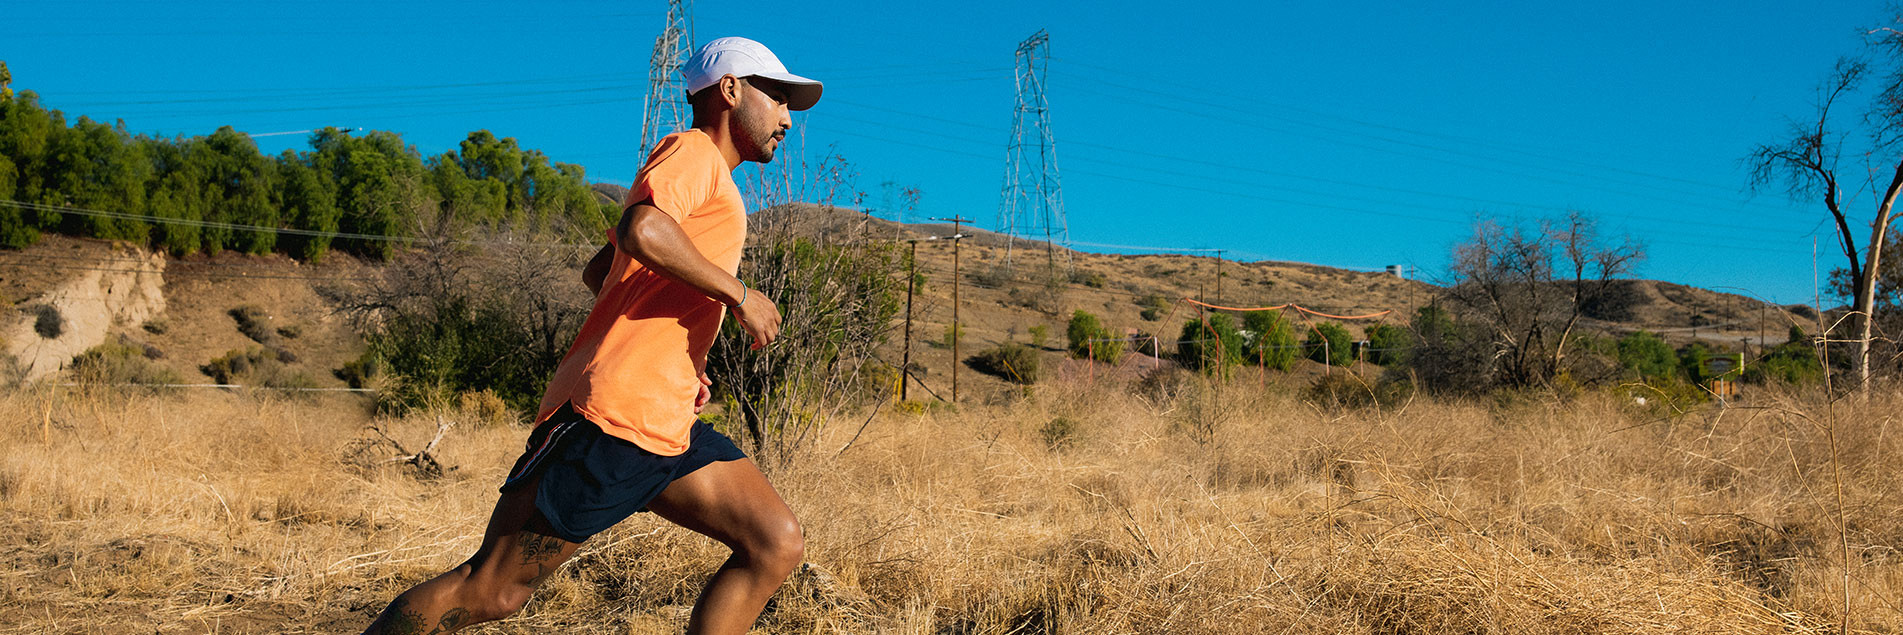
{"points": [[752, 137]]}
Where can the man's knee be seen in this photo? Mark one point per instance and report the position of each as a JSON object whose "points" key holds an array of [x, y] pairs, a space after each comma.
{"points": [[780, 545], [501, 601]]}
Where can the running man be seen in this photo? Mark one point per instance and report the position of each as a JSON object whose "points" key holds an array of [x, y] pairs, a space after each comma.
{"points": [[616, 432]]}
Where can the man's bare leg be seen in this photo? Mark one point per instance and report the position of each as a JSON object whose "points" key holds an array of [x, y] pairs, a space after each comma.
{"points": [[730, 501], [518, 552]]}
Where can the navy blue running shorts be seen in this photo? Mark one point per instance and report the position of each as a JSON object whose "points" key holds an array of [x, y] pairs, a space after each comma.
{"points": [[590, 481]]}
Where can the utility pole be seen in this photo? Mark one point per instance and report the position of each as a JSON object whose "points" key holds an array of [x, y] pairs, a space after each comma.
{"points": [[957, 337], [911, 277], [1219, 276]]}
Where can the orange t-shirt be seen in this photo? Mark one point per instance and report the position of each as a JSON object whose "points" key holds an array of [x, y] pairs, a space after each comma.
{"points": [[634, 368]]}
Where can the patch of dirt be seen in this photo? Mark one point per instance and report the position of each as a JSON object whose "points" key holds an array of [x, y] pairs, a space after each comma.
{"points": [[72, 295], [180, 306]]}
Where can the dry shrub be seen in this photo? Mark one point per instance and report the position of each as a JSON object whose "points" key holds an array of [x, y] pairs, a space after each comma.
{"points": [[235, 512]]}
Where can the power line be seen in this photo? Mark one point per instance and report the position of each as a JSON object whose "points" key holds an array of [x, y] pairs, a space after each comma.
{"points": [[1332, 195], [1203, 89], [1303, 204], [1389, 146]]}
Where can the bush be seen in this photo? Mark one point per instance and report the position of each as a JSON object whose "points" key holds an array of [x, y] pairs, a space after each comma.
{"points": [[447, 320], [1388, 345], [1345, 390], [953, 333], [1040, 335], [1058, 432], [839, 301], [1793, 362], [1449, 355], [486, 409], [47, 321], [1270, 340], [1092, 279], [1085, 327], [254, 323], [1010, 361], [119, 361], [156, 327], [1154, 306], [359, 373], [1211, 344], [1330, 344], [1647, 356], [996, 276], [256, 367]]}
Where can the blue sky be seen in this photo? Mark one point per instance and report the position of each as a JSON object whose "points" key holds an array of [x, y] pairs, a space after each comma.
{"points": [[1354, 135]]}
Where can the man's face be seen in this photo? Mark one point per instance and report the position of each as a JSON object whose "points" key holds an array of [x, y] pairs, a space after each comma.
{"points": [[760, 120]]}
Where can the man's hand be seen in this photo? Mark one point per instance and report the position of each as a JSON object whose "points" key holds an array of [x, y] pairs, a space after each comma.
{"points": [[759, 317], [700, 400]]}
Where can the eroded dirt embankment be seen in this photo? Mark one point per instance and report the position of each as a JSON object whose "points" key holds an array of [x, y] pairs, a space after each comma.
{"points": [[47, 330]]}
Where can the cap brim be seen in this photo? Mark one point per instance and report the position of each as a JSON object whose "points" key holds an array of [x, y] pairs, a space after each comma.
{"points": [[801, 93]]}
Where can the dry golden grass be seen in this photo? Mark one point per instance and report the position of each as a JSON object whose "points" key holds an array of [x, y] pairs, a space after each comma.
{"points": [[1213, 509]]}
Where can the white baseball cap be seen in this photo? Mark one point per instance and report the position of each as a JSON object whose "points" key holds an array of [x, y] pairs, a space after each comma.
{"points": [[743, 58]]}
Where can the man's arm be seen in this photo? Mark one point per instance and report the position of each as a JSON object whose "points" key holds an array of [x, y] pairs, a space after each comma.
{"points": [[597, 270], [652, 238]]}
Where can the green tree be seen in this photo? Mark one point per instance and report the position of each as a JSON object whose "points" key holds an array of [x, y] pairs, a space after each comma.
{"points": [[1270, 340], [1388, 344], [26, 131], [95, 166], [1083, 329], [1647, 355], [382, 186], [1211, 344], [1330, 344], [482, 202], [309, 199], [1793, 362], [176, 194]]}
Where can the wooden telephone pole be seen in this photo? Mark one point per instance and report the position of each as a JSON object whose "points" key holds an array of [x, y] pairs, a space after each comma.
{"points": [[911, 278], [957, 238]]}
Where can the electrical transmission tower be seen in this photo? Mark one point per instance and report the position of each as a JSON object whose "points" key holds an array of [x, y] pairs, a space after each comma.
{"points": [[665, 110], [1033, 199]]}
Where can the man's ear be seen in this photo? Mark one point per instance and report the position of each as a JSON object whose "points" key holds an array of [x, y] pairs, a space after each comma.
{"points": [[730, 89]]}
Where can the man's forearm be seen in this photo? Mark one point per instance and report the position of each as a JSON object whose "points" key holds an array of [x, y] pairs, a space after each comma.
{"points": [[652, 238]]}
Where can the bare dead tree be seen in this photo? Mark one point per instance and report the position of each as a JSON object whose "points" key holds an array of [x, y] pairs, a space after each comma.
{"points": [[1529, 289], [1807, 165], [457, 314]]}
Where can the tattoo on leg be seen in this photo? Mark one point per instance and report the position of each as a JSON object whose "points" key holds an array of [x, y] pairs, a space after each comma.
{"points": [[537, 548], [451, 620]]}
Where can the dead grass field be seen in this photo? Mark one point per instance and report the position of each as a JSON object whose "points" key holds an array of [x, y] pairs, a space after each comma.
{"points": [[1168, 506]]}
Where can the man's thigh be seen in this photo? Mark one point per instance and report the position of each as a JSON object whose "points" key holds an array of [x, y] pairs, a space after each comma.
{"points": [[519, 546], [729, 501]]}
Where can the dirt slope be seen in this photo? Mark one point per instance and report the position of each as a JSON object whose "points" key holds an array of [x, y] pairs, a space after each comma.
{"points": [[178, 308]]}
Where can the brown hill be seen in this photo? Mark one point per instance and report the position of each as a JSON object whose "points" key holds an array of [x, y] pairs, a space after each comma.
{"points": [[1005, 292], [1004, 300]]}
